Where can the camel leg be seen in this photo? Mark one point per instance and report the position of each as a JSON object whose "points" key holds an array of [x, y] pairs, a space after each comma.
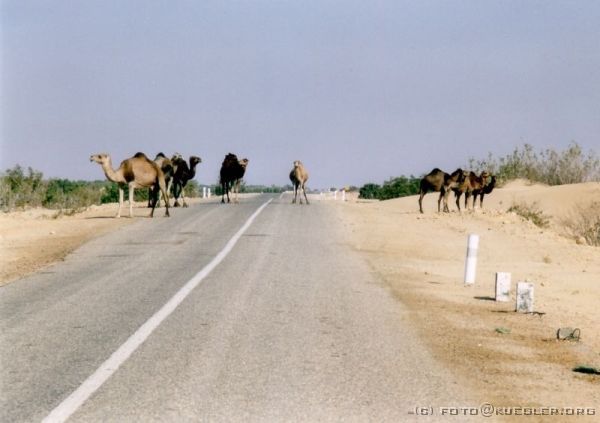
{"points": [[131, 191], [458, 194], [467, 195], [481, 200], [421, 195], [121, 194], [176, 193], [295, 193], [304, 191], [165, 194], [236, 188], [446, 193]]}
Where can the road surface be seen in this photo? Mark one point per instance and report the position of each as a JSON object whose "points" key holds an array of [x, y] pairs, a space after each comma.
{"points": [[288, 325]]}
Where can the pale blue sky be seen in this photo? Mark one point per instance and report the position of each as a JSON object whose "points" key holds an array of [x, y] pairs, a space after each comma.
{"points": [[358, 90]]}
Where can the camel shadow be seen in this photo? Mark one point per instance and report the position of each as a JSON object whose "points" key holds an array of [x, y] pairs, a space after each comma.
{"points": [[486, 298]]}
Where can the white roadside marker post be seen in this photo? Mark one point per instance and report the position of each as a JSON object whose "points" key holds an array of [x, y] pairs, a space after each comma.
{"points": [[503, 286], [524, 297], [203, 192], [471, 261], [208, 190], [343, 195]]}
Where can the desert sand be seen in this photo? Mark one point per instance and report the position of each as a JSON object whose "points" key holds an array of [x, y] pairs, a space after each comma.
{"points": [[420, 259]]}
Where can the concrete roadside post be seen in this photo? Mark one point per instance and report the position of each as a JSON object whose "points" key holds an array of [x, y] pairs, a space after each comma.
{"points": [[471, 261], [203, 192], [524, 297], [502, 286]]}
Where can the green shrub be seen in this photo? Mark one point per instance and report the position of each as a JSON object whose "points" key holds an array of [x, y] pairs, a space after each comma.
{"points": [[401, 186], [19, 188]]}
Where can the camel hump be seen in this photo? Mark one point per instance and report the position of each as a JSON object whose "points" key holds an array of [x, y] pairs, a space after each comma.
{"points": [[161, 155], [140, 155]]}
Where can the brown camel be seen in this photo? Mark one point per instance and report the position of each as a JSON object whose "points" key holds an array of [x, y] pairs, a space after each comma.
{"points": [[485, 190], [136, 172], [299, 176], [167, 168], [183, 173], [439, 181], [232, 172], [472, 185]]}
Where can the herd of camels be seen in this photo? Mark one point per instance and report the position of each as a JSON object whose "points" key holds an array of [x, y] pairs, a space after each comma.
{"points": [[162, 174]]}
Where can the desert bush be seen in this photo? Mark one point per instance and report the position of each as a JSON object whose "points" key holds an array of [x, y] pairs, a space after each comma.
{"points": [[369, 191], [584, 223], [532, 213], [548, 166], [401, 186], [20, 188]]}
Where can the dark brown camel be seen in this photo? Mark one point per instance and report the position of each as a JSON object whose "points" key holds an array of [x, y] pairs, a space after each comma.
{"points": [[232, 172], [439, 181], [470, 186], [485, 190], [167, 167], [183, 173]]}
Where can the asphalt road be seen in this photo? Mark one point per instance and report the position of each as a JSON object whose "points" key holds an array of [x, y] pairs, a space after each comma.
{"points": [[291, 325]]}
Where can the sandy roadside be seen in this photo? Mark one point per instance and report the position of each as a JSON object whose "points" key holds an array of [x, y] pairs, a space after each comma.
{"points": [[420, 258]]}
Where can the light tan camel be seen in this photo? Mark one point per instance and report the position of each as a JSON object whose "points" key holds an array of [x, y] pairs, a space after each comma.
{"points": [[299, 176], [136, 172]]}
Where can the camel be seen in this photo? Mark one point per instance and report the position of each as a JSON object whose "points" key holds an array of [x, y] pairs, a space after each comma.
{"points": [[167, 168], [136, 172], [439, 181], [183, 173], [485, 190], [299, 176], [232, 172], [472, 185]]}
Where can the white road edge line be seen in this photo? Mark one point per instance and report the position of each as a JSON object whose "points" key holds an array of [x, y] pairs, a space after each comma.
{"points": [[66, 408]]}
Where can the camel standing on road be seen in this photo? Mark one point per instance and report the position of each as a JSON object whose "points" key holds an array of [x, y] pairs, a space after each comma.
{"points": [[183, 173], [167, 168], [136, 172], [232, 172], [299, 176]]}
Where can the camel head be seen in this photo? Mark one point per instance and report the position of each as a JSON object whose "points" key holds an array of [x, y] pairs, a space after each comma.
{"points": [[243, 163], [176, 156], [194, 160], [101, 158], [297, 163]]}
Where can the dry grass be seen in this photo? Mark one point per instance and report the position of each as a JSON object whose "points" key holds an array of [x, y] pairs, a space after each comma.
{"points": [[532, 213], [584, 224]]}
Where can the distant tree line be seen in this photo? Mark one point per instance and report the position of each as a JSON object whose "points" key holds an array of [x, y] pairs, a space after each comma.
{"points": [[400, 186]]}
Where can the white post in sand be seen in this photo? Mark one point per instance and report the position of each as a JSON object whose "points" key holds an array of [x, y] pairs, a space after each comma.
{"points": [[203, 192], [335, 194], [208, 190], [343, 195], [471, 262], [502, 286], [524, 297]]}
